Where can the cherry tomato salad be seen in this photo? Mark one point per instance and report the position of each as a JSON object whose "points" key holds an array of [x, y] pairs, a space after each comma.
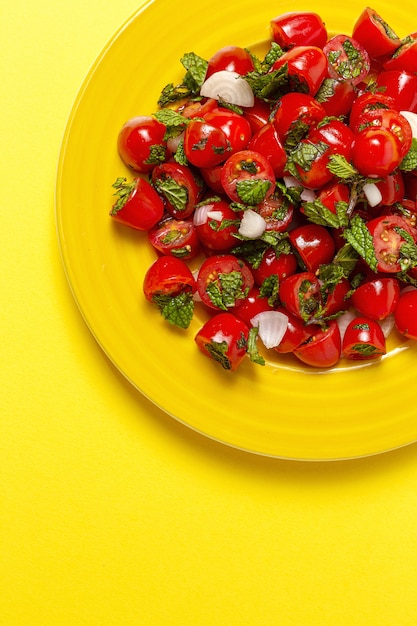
{"points": [[280, 193]]}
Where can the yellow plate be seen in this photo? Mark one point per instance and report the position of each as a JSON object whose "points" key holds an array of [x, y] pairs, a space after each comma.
{"points": [[282, 409]]}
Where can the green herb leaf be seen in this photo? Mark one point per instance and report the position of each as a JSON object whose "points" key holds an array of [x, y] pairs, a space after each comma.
{"points": [[359, 237], [409, 162], [196, 68], [175, 194], [226, 289], [218, 352], [252, 190], [340, 167], [172, 93], [270, 289], [177, 310], [123, 192], [252, 349]]}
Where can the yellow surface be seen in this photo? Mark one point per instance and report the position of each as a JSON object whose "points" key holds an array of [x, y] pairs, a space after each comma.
{"points": [[111, 512]]}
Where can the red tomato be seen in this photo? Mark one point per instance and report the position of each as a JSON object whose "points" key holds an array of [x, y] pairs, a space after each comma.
{"points": [[376, 152], [138, 205], [176, 237], [405, 314], [377, 298], [332, 193], [215, 225], [387, 119], [404, 58], [179, 186], [167, 276], [388, 240], [336, 96], [223, 281], [313, 244], [323, 349], [306, 67], [336, 299], [347, 59], [257, 115], [336, 134], [277, 212], [295, 109], [231, 58], [391, 188], [299, 28], [205, 145], [363, 339], [253, 304], [374, 34], [281, 265], [236, 127], [224, 338], [212, 177], [401, 87], [267, 142], [141, 143], [192, 109], [368, 101], [300, 295], [248, 177], [297, 333]]}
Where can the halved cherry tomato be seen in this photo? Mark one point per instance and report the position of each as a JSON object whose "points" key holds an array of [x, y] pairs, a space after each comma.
{"points": [[388, 239], [404, 58], [336, 299], [374, 34], [280, 265], [377, 298], [376, 152], [253, 304], [176, 237], [299, 28], [224, 338], [277, 212], [313, 244], [323, 349], [231, 58], [138, 205], [216, 223], [179, 186], [236, 127], [141, 143], [297, 110], [405, 314], [306, 67], [363, 340], [300, 294], [257, 115], [167, 276], [296, 334], [391, 188], [332, 193], [368, 101], [347, 59], [248, 177], [223, 281], [388, 119], [205, 145], [336, 96], [267, 142], [401, 86]]}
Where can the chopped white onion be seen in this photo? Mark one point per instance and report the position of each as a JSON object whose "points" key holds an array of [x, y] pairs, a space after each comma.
{"points": [[173, 143], [200, 215], [230, 87], [372, 194], [387, 325], [412, 120], [271, 327], [291, 181], [252, 224], [308, 195], [344, 320], [217, 216]]}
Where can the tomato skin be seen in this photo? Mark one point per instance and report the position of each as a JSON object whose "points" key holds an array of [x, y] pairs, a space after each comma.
{"points": [[296, 334], [277, 212], [167, 174], [211, 236], [405, 314], [298, 28], [243, 166], [300, 294], [232, 59], [338, 136], [392, 188], [267, 142], [257, 115], [388, 119], [401, 86], [387, 241], [205, 145], [135, 140], [377, 298], [211, 273], [375, 35], [332, 193], [337, 299], [405, 57], [224, 338], [282, 265], [175, 237], [323, 349], [236, 127], [306, 65], [212, 178], [167, 276], [141, 208], [253, 304], [294, 108], [313, 244], [336, 96], [376, 152], [366, 102], [363, 340], [340, 62]]}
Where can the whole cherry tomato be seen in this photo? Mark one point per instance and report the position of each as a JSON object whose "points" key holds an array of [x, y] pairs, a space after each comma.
{"points": [[231, 58], [388, 119], [253, 304], [224, 338], [363, 339], [299, 28], [405, 314], [376, 152], [323, 349], [280, 265], [277, 212], [141, 143], [377, 298], [138, 205]]}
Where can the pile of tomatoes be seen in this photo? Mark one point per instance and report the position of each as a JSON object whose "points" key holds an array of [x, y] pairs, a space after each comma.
{"points": [[291, 217]]}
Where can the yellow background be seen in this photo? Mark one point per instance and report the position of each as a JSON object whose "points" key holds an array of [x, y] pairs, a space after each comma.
{"points": [[111, 513]]}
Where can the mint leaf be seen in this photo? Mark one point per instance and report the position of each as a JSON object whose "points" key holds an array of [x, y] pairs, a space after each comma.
{"points": [[218, 352], [252, 190], [340, 167], [252, 349], [359, 237], [123, 192], [175, 194], [270, 289], [196, 68], [409, 162], [226, 289], [175, 122], [178, 309]]}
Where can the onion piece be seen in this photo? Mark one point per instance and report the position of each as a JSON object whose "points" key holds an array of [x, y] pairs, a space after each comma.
{"points": [[271, 327], [217, 216], [252, 224], [387, 325], [412, 120], [308, 195], [344, 320], [173, 142], [200, 216], [291, 181], [372, 194], [230, 87]]}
